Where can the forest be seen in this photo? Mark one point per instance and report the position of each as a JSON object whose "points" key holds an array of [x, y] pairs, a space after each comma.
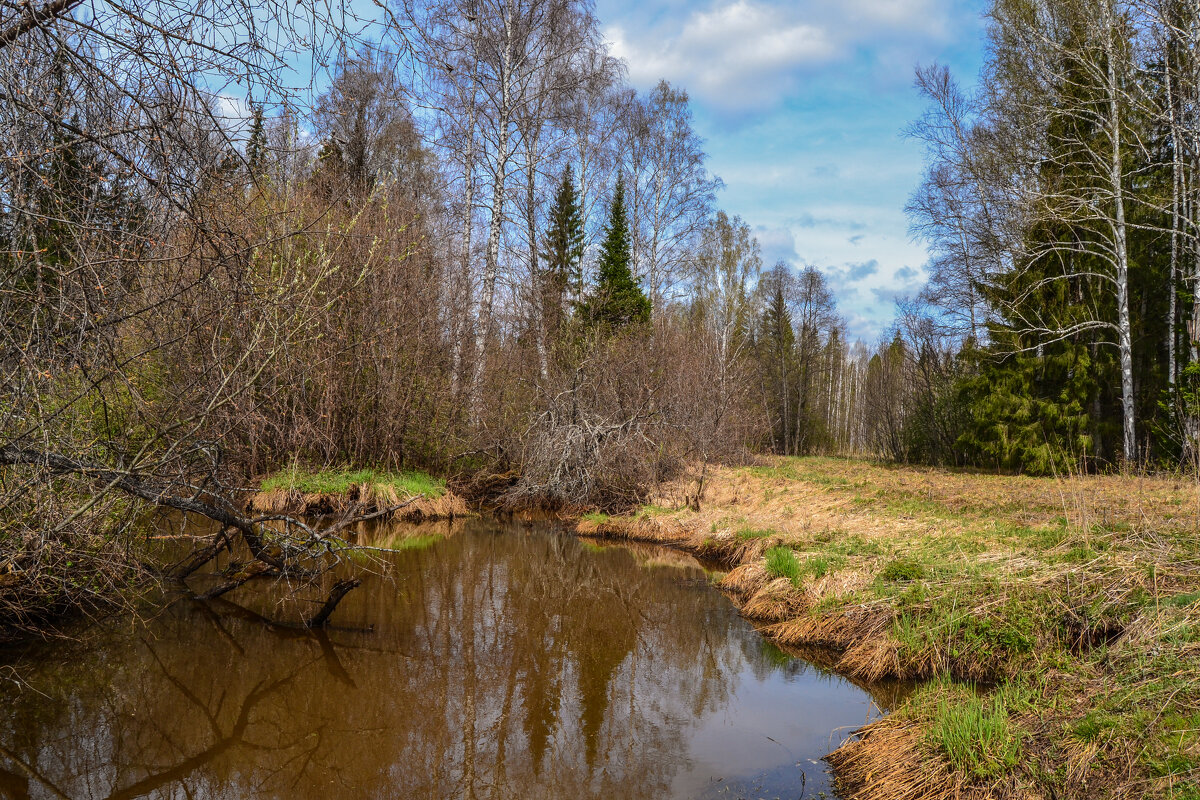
{"points": [[439, 272], [237, 240]]}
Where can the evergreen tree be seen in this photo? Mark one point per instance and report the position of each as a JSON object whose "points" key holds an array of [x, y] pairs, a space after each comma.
{"points": [[777, 355], [617, 300], [562, 252], [256, 147]]}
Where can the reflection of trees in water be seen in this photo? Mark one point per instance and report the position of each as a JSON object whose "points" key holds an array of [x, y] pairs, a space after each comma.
{"points": [[500, 666]]}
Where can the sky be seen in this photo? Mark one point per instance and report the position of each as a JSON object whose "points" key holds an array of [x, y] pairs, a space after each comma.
{"points": [[803, 106]]}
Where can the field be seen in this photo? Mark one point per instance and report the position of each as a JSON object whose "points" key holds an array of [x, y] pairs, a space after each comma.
{"points": [[1053, 624]]}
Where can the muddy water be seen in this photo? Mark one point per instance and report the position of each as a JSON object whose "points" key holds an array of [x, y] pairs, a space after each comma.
{"points": [[501, 662]]}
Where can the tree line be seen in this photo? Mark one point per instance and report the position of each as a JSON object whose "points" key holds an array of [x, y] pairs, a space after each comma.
{"points": [[468, 245], [1061, 205]]}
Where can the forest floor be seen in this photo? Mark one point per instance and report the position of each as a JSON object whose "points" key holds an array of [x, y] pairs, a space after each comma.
{"points": [[1054, 623]]}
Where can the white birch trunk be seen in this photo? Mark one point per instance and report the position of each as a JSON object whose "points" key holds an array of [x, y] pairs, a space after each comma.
{"points": [[1124, 333], [487, 299]]}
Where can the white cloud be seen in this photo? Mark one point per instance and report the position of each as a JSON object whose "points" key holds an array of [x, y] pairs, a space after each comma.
{"points": [[232, 112], [778, 244], [737, 56], [744, 55]]}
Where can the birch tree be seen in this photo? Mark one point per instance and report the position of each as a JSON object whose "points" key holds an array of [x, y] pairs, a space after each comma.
{"points": [[1066, 67], [671, 193]]}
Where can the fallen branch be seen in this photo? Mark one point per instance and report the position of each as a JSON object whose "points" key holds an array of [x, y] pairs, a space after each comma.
{"points": [[339, 590]]}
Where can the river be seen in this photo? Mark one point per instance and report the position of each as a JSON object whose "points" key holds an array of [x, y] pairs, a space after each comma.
{"points": [[494, 660]]}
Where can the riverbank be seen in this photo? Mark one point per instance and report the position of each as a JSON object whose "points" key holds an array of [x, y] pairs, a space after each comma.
{"points": [[407, 496], [1056, 622]]}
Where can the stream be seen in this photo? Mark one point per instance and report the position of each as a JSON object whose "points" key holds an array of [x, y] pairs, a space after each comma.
{"points": [[486, 659]]}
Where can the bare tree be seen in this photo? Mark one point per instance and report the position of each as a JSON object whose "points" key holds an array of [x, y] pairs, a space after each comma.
{"points": [[670, 191]]}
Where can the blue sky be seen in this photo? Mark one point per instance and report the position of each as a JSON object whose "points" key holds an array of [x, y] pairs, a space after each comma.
{"points": [[802, 106]]}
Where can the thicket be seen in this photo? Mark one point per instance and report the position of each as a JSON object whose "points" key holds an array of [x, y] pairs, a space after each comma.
{"points": [[470, 259]]}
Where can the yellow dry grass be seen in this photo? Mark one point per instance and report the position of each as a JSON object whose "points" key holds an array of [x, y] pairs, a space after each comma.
{"points": [[1085, 586], [886, 762], [367, 498]]}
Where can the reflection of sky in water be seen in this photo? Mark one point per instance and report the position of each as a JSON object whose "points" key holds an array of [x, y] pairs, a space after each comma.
{"points": [[589, 672], [771, 734]]}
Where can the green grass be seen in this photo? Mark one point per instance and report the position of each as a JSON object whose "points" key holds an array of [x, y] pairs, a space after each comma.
{"points": [[749, 534], [820, 566], [782, 563], [339, 481], [597, 517], [903, 570], [975, 733]]}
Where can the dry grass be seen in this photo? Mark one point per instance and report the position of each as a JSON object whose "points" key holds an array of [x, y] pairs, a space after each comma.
{"points": [[319, 494], [887, 760], [1080, 595]]}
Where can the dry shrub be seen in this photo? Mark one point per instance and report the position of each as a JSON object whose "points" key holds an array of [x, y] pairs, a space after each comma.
{"points": [[53, 566], [619, 416]]}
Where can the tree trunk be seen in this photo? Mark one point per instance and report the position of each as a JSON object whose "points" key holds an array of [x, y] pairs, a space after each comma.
{"points": [[500, 180], [1124, 333], [464, 315]]}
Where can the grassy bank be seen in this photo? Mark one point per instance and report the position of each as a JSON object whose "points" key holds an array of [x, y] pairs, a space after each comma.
{"points": [[331, 491], [1057, 621]]}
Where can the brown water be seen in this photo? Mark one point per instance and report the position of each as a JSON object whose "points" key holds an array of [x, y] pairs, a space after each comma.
{"points": [[504, 662]]}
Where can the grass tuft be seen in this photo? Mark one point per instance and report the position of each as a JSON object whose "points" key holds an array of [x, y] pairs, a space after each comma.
{"points": [[975, 734], [782, 563], [750, 534], [903, 570]]}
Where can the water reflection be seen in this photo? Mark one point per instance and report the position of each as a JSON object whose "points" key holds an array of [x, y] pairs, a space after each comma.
{"points": [[503, 662]]}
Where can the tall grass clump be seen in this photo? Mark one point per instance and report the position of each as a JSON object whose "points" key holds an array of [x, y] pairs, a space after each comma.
{"points": [[782, 563], [975, 734]]}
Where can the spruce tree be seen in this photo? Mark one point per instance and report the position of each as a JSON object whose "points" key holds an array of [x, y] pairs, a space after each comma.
{"points": [[617, 300], [777, 355], [256, 147], [563, 251], [563, 244]]}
